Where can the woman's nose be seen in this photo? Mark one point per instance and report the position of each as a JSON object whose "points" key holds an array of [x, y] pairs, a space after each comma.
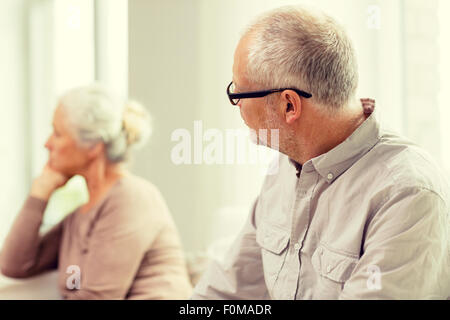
{"points": [[48, 143]]}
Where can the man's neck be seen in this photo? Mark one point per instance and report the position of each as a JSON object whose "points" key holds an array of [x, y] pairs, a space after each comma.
{"points": [[325, 133]]}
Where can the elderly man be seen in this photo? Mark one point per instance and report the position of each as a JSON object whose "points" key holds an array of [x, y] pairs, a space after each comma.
{"points": [[354, 212]]}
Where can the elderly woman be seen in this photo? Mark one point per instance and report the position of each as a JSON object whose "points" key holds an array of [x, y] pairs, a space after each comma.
{"points": [[121, 244]]}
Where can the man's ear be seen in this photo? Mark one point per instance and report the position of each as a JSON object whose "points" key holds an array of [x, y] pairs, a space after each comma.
{"points": [[291, 106]]}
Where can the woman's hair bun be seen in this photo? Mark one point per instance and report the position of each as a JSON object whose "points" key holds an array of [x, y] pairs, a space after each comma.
{"points": [[136, 123]]}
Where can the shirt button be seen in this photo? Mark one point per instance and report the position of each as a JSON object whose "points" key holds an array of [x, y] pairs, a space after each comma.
{"points": [[330, 176], [297, 247]]}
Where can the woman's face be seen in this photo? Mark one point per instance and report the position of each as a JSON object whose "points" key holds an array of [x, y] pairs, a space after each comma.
{"points": [[65, 155]]}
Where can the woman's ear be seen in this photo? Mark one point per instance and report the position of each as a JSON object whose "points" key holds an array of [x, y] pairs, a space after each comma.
{"points": [[96, 150], [292, 106]]}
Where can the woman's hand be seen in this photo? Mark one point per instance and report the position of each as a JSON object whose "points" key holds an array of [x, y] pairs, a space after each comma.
{"points": [[48, 181]]}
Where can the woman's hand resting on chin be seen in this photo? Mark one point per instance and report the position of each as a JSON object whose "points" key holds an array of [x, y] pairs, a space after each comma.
{"points": [[47, 182]]}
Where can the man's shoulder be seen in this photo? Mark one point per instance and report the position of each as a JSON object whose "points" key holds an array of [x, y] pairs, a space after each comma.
{"points": [[403, 164]]}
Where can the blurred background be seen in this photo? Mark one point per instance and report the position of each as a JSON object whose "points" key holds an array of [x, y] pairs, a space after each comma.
{"points": [[175, 57]]}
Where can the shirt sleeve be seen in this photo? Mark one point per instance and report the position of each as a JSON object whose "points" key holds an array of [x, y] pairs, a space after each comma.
{"points": [[25, 253], [119, 239], [241, 275], [405, 251]]}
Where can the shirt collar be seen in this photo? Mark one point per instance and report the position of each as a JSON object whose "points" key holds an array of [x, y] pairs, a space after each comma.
{"points": [[332, 164], [297, 166]]}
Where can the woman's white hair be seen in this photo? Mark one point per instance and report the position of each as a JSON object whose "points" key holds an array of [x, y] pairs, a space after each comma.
{"points": [[299, 47], [96, 115]]}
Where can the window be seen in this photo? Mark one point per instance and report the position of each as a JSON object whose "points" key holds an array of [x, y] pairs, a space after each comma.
{"points": [[53, 46]]}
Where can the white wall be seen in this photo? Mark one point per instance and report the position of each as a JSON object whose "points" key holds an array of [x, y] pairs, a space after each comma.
{"points": [[163, 71]]}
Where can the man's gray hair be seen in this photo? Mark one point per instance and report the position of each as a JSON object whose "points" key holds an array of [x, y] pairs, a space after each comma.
{"points": [[95, 115], [302, 48]]}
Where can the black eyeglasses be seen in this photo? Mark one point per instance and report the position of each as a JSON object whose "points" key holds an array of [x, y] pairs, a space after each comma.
{"points": [[235, 97]]}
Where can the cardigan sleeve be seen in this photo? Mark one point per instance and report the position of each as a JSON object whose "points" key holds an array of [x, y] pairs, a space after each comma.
{"points": [[25, 252]]}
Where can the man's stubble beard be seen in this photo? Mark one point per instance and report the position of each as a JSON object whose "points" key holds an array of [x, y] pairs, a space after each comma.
{"points": [[276, 136]]}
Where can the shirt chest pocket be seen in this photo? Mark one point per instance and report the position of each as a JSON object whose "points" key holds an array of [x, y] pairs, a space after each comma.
{"points": [[333, 270], [273, 241]]}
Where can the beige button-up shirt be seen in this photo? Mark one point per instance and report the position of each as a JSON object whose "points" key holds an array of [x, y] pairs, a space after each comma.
{"points": [[367, 220]]}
